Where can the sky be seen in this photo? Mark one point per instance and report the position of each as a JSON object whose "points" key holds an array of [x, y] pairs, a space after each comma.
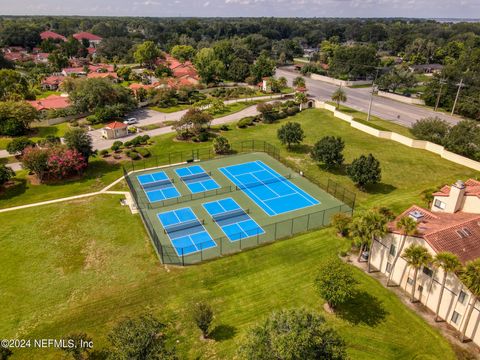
{"points": [[247, 8]]}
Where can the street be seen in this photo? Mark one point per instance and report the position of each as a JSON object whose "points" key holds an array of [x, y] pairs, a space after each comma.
{"points": [[359, 98]]}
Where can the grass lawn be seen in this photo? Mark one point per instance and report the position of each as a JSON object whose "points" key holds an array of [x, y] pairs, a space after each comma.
{"points": [[39, 132], [375, 121], [170, 109], [236, 107], [406, 172], [45, 94], [83, 265]]}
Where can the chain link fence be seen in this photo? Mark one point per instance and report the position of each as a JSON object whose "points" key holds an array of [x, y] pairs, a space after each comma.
{"points": [[272, 232]]}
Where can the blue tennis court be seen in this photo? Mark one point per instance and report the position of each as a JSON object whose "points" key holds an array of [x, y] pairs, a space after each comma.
{"points": [[197, 179], [274, 193], [232, 219], [186, 232], [157, 186]]}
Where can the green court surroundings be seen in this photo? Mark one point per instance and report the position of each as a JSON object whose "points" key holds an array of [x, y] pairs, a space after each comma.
{"points": [[180, 202]]}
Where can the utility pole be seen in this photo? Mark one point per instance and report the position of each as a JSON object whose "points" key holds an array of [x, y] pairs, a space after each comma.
{"points": [[442, 82], [371, 97], [456, 97]]}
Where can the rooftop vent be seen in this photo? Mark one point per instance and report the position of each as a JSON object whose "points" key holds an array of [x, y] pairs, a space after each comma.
{"points": [[459, 184], [416, 215]]}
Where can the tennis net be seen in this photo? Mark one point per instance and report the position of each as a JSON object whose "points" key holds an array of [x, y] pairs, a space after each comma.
{"points": [[229, 214], [157, 183], [196, 176], [182, 226], [265, 182]]}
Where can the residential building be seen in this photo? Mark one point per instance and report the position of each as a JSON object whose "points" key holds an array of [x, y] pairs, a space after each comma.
{"points": [[52, 82], [453, 225], [115, 130], [93, 39], [426, 68], [50, 102], [52, 36]]}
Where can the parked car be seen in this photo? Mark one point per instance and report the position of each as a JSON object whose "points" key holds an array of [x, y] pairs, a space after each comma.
{"points": [[131, 121]]}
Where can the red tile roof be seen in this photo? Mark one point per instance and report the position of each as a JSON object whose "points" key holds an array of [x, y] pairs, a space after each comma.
{"points": [[444, 231], [52, 35], [53, 80], [50, 102], [86, 35], [472, 188], [102, 75], [116, 125]]}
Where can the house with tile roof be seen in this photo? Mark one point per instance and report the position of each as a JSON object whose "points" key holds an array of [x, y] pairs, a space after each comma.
{"points": [[115, 130], [52, 36], [50, 102], [452, 224], [93, 39], [52, 82]]}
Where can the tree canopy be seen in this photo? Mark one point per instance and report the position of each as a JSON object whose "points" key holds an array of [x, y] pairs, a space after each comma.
{"points": [[293, 335]]}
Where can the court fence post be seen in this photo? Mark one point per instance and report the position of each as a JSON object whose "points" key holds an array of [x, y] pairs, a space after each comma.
{"points": [[183, 259], [275, 233], [308, 221]]}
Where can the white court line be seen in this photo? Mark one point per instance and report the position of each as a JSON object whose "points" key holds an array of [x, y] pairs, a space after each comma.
{"points": [[252, 195], [269, 170]]}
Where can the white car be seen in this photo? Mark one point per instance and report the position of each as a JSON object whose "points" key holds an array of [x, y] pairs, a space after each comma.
{"points": [[131, 121]]}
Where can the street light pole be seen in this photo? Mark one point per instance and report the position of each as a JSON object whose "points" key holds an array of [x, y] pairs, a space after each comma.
{"points": [[456, 97], [442, 82], [371, 97]]}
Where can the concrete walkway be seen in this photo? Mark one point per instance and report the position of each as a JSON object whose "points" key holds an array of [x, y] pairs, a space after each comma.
{"points": [[146, 116]]}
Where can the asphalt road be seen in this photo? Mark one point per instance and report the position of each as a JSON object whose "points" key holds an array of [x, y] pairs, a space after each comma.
{"points": [[359, 98]]}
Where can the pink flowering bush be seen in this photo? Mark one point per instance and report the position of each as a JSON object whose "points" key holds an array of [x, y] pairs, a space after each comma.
{"points": [[64, 162], [56, 162]]}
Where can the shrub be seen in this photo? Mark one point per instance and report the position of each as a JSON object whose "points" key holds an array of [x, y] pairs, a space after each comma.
{"points": [[63, 162], [341, 222], [142, 151], [104, 152], [203, 136], [224, 127], [464, 139], [244, 122], [132, 155], [335, 282], [292, 110], [281, 114], [127, 144], [365, 170], [221, 145], [329, 151], [35, 160], [203, 317], [137, 140], [74, 123], [145, 139], [431, 129], [17, 145], [6, 174]]}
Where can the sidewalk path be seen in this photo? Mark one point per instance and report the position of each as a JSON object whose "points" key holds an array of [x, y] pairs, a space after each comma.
{"points": [[148, 117]]}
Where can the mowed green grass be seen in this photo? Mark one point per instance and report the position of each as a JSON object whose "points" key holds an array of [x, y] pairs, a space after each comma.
{"points": [[83, 265], [406, 172]]}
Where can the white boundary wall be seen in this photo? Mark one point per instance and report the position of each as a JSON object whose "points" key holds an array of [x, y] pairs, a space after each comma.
{"points": [[418, 144], [339, 82], [401, 98]]}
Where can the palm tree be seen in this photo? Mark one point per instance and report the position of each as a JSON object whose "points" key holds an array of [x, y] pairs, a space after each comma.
{"points": [[416, 257], [300, 98], [449, 263], [339, 96], [377, 228], [298, 82], [408, 227], [470, 277], [365, 229]]}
